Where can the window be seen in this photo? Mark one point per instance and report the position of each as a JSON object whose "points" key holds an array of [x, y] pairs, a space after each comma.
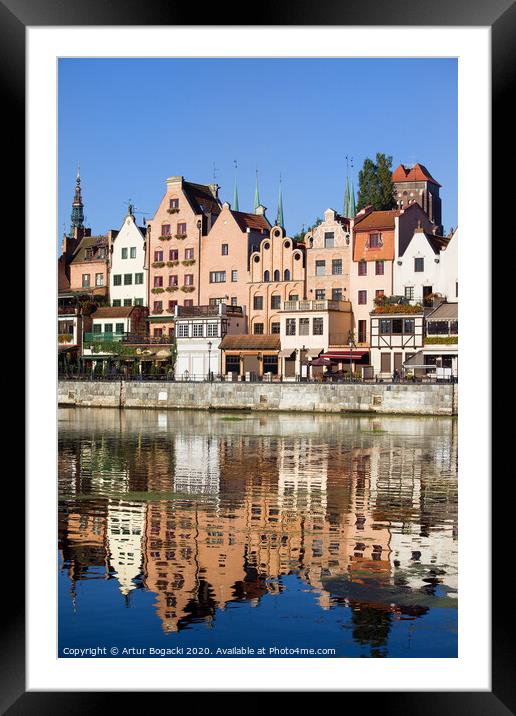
{"points": [[158, 255], [181, 229], [266, 276], [117, 279], [362, 268], [409, 292], [362, 298], [117, 302], [225, 249], [379, 268], [165, 230], [99, 279], [258, 303], [119, 328], [189, 254], [291, 326], [275, 301], [97, 328], [174, 204], [158, 332], [409, 325], [375, 241], [362, 331], [188, 302], [234, 275], [128, 302], [379, 293], [232, 364], [158, 281], [419, 265], [102, 253], [128, 279], [397, 326], [317, 326], [336, 294], [234, 301], [138, 301], [385, 326], [124, 253], [188, 279], [293, 297], [217, 276], [197, 330], [320, 294], [132, 252], [277, 275], [85, 280], [258, 329], [172, 280], [385, 363], [182, 330], [320, 268], [173, 254], [138, 278], [212, 330], [456, 289], [270, 364], [158, 306], [89, 253], [336, 267], [108, 328], [286, 275], [329, 240], [171, 306], [275, 327], [304, 326], [215, 301]]}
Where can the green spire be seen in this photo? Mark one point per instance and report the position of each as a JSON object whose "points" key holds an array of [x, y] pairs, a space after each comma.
{"points": [[256, 195], [351, 206], [279, 216], [346, 200]]}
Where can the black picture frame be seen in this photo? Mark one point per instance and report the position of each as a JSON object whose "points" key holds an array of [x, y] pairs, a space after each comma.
{"points": [[500, 15]]}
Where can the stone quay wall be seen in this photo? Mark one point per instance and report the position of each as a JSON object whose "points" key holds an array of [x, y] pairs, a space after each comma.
{"points": [[396, 399]]}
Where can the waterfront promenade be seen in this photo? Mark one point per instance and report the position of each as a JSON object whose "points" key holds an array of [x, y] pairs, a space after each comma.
{"points": [[383, 398]]}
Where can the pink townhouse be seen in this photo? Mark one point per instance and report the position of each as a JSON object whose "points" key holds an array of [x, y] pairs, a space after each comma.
{"points": [[329, 259], [185, 215]]}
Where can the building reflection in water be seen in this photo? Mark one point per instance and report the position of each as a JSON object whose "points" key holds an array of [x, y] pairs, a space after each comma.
{"points": [[206, 513]]}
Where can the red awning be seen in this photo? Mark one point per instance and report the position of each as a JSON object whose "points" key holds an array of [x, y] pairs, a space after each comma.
{"points": [[345, 355]]}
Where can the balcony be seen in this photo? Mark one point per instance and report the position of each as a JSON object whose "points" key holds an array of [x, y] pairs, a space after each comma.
{"points": [[103, 337], [321, 305], [219, 309]]}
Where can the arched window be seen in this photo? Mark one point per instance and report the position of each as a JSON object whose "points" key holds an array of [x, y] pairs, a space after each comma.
{"points": [[266, 276], [286, 275], [276, 275]]}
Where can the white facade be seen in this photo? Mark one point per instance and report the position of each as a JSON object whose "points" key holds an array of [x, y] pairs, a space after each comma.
{"points": [[125, 528], [199, 331], [127, 276], [450, 268], [395, 338], [419, 254]]}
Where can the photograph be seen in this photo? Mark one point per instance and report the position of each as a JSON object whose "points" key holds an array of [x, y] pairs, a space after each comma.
{"points": [[257, 358]]}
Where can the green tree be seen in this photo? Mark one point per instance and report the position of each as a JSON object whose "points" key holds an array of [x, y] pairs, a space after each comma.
{"points": [[375, 185], [300, 236]]}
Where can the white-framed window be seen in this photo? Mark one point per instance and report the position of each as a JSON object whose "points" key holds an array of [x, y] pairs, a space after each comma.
{"points": [[132, 252], [409, 292], [213, 330], [197, 330], [182, 330]]}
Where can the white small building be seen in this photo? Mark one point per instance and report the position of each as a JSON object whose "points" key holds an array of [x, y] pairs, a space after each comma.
{"points": [[127, 274], [395, 338], [422, 269], [199, 331]]}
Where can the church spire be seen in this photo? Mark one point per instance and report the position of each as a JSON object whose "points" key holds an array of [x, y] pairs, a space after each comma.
{"points": [[256, 195], [351, 205], [235, 192], [279, 216], [346, 200], [77, 216]]}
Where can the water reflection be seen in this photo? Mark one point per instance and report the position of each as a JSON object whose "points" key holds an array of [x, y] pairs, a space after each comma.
{"points": [[207, 511]]}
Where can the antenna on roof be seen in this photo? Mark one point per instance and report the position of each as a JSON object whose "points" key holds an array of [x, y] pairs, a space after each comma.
{"points": [[215, 170]]}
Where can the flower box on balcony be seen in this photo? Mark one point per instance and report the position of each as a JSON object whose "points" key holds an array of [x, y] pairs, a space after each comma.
{"points": [[65, 338], [187, 289], [172, 211], [158, 310], [165, 238], [171, 289], [170, 264], [180, 236], [157, 290], [158, 264], [188, 262]]}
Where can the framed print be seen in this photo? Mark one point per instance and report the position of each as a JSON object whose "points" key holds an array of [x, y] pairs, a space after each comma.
{"points": [[256, 446]]}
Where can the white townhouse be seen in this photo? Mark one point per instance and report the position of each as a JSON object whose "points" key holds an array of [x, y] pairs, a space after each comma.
{"points": [[424, 267], [127, 276]]}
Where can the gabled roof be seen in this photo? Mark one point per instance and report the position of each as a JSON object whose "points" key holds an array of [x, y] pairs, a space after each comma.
{"points": [[416, 173], [201, 198], [115, 311], [245, 221], [437, 243], [88, 242], [376, 220]]}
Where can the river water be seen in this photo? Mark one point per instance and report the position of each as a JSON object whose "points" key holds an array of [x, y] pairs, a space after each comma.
{"points": [[185, 533]]}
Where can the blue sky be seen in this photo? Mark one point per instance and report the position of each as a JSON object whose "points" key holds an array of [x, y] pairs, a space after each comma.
{"points": [[133, 122]]}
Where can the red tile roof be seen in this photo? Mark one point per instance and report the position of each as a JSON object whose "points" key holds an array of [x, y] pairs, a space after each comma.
{"points": [[115, 311], [416, 173], [251, 221], [250, 341], [376, 220]]}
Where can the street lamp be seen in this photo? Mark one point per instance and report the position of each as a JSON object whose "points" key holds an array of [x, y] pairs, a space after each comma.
{"points": [[209, 360]]}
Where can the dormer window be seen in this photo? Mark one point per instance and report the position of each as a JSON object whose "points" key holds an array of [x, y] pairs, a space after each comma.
{"points": [[375, 241], [174, 203]]}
